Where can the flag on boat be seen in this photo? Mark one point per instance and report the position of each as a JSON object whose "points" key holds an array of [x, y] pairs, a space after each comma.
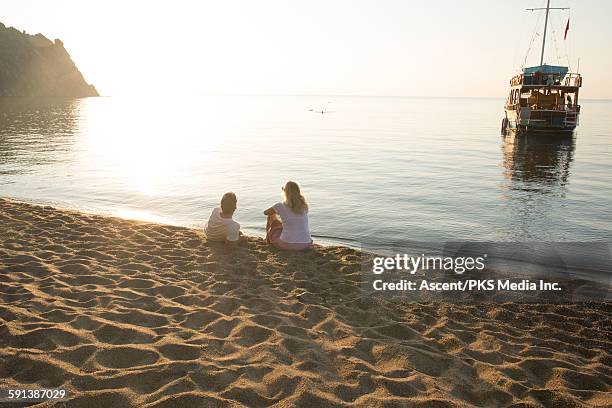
{"points": [[566, 29]]}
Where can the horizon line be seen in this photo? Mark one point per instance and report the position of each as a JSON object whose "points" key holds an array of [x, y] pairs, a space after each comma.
{"points": [[335, 95]]}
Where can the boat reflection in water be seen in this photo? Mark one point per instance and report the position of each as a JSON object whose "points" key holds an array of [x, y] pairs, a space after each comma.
{"points": [[538, 162], [535, 187]]}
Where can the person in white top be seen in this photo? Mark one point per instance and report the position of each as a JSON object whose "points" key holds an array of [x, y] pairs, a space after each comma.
{"points": [[220, 225], [292, 231]]}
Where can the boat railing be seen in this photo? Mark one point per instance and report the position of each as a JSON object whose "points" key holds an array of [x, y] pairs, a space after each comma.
{"points": [[574, 109], [541, 79]]}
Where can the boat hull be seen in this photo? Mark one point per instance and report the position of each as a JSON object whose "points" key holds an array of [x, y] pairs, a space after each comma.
{"points": [[548, 122]]}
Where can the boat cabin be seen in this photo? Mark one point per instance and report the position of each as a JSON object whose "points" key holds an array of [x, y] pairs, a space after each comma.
{"points": [[544, 96]]}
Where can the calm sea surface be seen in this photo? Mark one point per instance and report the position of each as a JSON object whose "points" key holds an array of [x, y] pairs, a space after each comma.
{"points": [[375, 169]]}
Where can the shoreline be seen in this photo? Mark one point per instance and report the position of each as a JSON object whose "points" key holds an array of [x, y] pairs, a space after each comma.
{"points": [[133, 313], [508, 265]]}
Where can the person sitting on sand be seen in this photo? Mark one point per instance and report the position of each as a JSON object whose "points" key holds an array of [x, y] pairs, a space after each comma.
{"points": [[291, 232], [220, 225]]}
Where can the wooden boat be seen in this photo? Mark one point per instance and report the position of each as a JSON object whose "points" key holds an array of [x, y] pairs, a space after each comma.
{"points": [[543, 98]]}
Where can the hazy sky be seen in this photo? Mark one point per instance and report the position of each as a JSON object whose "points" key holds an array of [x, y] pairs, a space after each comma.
{"points": [[355, 47]]}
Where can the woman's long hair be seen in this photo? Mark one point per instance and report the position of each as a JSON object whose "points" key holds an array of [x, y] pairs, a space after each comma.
{"points": [[294, 198]]}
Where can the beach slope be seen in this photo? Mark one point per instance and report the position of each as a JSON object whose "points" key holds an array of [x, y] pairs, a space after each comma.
{"points": [[126, 313]]}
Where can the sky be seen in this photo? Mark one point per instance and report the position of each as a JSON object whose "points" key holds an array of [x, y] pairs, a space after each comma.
{"points": [[466, 48]]}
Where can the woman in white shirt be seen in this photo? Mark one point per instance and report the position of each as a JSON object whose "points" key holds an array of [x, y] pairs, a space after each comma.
{"points": [[291, 232]]}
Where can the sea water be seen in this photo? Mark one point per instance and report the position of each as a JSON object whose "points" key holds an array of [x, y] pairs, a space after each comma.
{"points": [[374, 169]]}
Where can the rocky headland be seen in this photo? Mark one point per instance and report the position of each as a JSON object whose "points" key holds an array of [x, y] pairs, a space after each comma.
{"points": [[33, 65]]}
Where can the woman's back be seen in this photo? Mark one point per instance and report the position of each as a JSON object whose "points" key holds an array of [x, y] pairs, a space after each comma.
{"points": [[295, 226]]}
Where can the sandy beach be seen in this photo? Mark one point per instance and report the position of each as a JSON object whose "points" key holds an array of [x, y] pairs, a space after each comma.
{"points": [[127, 313]]}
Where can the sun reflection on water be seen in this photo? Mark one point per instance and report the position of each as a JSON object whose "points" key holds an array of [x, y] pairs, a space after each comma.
{"points": [[135, 145], [142, 216]]}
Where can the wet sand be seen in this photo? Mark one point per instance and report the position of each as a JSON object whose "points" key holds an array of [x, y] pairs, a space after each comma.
{"points": [[127, 313]]}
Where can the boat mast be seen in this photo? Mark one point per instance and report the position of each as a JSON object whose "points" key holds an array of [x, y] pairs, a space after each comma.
{"points": [[548, 8], [544, 36]]}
